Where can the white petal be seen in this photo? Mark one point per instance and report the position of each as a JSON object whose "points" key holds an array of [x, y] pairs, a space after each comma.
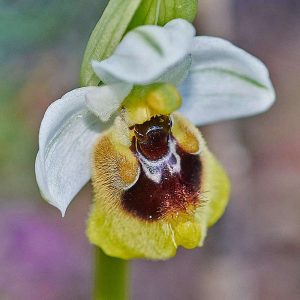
{"points": [[103, 101], [67, 133], [225, 82], [146, 53], [177, 74]]}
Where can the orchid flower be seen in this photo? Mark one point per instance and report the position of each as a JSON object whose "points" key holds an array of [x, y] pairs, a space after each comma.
{"points": [[156, 185]]}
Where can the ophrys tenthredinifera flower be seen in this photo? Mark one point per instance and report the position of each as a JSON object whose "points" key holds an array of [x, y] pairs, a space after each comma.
{"points": [[156, 185]]}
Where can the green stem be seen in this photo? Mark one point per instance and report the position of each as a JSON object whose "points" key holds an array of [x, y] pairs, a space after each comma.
{"points": [[110, 277]]}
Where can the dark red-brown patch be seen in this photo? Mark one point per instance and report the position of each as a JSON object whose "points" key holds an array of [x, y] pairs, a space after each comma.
{"points": [[175, 192]]}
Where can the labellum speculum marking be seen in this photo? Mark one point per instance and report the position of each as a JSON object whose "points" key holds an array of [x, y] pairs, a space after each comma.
{"points": [[169, 180], [156, 187]]}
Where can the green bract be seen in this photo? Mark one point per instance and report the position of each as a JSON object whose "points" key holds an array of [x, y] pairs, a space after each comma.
{"points": [[121, 16], [160, 12]]}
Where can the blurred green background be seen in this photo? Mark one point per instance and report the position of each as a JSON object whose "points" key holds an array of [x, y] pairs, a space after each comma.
{"points": [[38, 40], [252, 253]]}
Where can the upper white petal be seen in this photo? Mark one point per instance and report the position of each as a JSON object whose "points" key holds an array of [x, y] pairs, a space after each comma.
{"points": [[225, 82], [178, 73], [146, 53], [67, 133], [103, 101]]}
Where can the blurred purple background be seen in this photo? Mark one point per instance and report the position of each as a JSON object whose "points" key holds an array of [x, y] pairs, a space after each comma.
{"points": [[252, 253]]}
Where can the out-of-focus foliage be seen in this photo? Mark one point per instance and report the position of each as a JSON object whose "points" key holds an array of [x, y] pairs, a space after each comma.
{"points": [[24, 24], [32, 31], [16, 143]]}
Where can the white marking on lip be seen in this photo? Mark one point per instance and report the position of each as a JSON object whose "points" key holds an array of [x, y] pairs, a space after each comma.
{"points": [[153, 168]]}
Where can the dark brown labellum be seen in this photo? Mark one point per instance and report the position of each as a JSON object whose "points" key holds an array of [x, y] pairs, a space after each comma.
{"points": [[169, 181]]}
